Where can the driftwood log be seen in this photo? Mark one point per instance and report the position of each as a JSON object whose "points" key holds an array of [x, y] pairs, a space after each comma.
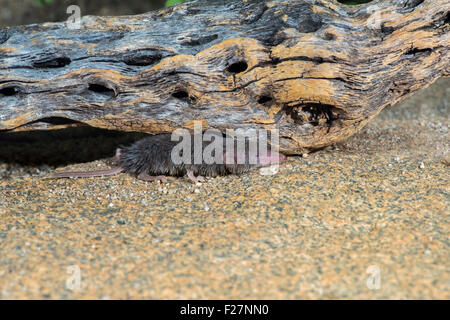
{"points": [[316, 70]]}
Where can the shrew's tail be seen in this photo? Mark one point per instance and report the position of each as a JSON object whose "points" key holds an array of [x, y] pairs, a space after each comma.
{"points": [[86, 174]]}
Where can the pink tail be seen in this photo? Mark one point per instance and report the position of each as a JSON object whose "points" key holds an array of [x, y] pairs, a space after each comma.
{"points": [[86, 174]]}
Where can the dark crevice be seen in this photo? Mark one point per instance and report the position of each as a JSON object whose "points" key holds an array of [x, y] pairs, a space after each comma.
{"points": [[317, 60], [181, 95], [386, 30], [329, 36], [275, 61], [99, 88], [61, 146], [58, 62], [9, 91], [447, 18], [56, 121], [237, 67], [264, 99], [234, 89], [142, 59], [313, 113], [200, 40], [414, 51], [314, 78]]}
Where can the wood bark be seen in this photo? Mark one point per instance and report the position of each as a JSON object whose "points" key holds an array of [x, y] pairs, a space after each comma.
{"points": [[316, 70]]}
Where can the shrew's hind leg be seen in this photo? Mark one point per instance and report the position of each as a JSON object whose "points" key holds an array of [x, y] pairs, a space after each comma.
{"points": [[193, 178], [146, 177]]}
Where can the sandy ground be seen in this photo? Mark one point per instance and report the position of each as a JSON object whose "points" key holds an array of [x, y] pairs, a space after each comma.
{"points": [[367, 218]]}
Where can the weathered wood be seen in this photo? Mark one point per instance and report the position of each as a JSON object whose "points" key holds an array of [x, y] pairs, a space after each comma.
{"points": [[317, 70]]}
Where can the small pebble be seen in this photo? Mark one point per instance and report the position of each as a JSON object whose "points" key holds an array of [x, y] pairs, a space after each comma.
{"points": [[269, 171]]}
